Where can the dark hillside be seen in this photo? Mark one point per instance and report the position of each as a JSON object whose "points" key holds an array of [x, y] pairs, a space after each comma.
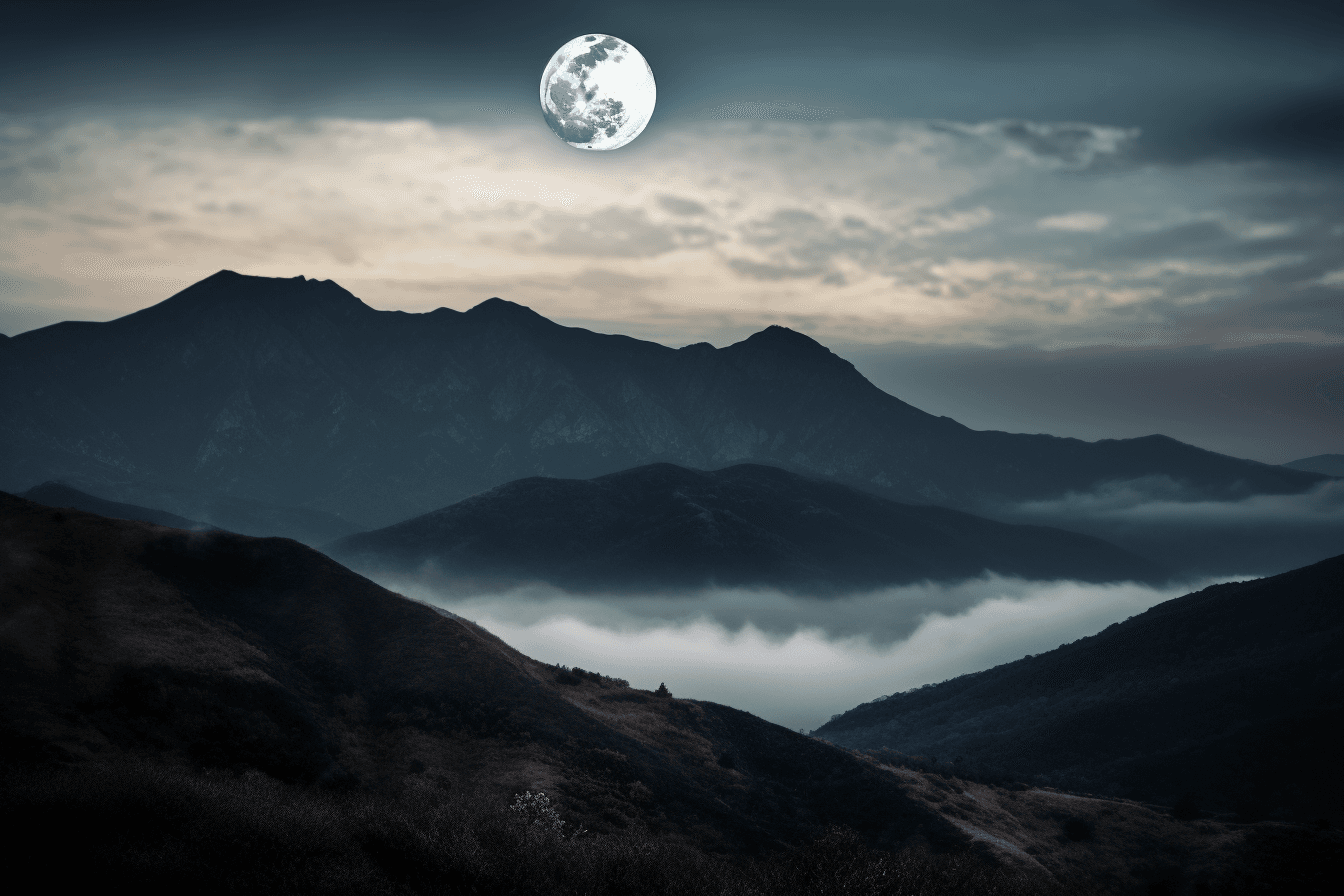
{"points": [[665, 527], [1229, 698], [213, 650], [57, 494], [210, 713]]}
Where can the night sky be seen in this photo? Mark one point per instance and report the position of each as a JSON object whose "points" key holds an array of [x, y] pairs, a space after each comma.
{"points": [[1013, 214]]}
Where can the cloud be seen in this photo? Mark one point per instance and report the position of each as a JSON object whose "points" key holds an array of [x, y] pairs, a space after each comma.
{"points": [[769, 111], [1075, 222], [1160, 500], [797, 661], [863, 231]]}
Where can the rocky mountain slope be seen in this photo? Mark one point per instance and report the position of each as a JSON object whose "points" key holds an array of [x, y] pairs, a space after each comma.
{"points": [[1229, 698], [662, 526], [296, 393]]}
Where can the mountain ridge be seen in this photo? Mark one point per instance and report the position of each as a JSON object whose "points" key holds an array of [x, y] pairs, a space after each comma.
{"points": [[1200, 697], [294, 391], [663, 527]]}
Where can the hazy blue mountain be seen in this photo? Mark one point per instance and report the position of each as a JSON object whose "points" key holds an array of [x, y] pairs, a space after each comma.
{"points": [[1329, 464], [296, 393], [246, 516], [57, 494], [662, 526], [1230, 697]]}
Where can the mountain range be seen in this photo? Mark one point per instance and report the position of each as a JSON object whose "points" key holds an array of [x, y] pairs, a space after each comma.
{"points": [[1329, 464], [294, 393], [1229, 698], [662, 526]]}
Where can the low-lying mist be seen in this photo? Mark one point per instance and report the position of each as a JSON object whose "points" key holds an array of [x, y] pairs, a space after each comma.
{"points": [[1195, 536], [792, 660]]}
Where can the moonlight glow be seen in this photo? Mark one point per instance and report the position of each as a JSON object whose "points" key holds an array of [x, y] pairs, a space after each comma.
{"points": [[597, 92]]}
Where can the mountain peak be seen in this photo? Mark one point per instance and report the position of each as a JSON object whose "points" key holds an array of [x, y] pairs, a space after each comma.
{"points": [[782, 349], [227, 288], [495, 307], [782, 338]]}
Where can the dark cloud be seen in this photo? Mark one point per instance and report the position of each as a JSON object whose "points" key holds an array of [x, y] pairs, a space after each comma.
{"points": [[679, 206], [1076, 145], [1309, 126], [1199, 79], [1196, 238]]}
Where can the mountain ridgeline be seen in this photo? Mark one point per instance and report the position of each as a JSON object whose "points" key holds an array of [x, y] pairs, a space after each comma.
{"points": [[294, 393], [1227, 699], [661, 527]]}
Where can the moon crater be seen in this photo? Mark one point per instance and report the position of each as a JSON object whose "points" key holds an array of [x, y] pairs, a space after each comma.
{"points": [[597, 92]]}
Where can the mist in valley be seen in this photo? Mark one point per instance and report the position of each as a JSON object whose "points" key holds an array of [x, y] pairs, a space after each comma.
{"points": [[795, 660]]}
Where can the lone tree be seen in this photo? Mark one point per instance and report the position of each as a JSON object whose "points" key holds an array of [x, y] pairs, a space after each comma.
{"points": [[662, 691]]}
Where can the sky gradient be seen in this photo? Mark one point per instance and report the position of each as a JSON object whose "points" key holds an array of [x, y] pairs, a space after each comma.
{"points": [[915, 184]]}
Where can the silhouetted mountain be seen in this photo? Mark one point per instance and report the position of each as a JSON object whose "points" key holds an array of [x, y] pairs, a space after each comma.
{"points": [[1230, 697], [662, 526], [294, 392], [242, 515], [56, 494], [1329, 464]]}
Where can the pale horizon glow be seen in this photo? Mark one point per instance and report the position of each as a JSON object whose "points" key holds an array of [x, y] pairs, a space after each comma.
{"points": [[859, 231]]}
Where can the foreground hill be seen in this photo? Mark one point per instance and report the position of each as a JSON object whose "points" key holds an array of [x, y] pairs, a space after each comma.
{"points": [[296, 393], [1229, 698], [665, 527], [205, 712], [219, 650]]}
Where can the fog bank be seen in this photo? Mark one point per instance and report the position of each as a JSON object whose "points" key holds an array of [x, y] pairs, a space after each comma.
{"points": [[797, 661]]}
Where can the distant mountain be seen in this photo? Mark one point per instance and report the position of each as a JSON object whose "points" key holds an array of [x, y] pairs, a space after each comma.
{"points": [[1329, 464], [296, 393], [662, 526], [1230, 697], [56, 494], [210, 713], [245, 516]]}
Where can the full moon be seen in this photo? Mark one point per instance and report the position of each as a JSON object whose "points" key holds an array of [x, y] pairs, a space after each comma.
{"points": [[597, 92]]}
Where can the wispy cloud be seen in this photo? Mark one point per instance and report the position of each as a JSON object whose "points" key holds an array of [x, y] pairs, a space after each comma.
{"points": [[1003, 232], [1161, 500], [798, 661]]}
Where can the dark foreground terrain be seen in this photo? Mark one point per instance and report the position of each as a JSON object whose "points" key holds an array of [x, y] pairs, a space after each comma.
{"points": [[1228, 700], [666, 527], [208, 712]]}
